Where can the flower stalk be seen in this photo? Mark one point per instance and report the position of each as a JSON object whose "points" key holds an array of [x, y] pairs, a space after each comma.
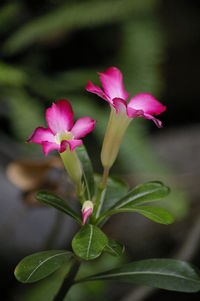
{"points": [[73, 167], [105, 177]]}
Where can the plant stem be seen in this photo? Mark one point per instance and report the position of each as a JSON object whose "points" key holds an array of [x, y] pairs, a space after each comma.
{"points": [[105, 177], [100, 194], [100, 202], [68, 282]]}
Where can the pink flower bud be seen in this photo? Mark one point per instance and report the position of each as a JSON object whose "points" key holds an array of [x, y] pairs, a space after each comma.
{"points": [[87, 210]]}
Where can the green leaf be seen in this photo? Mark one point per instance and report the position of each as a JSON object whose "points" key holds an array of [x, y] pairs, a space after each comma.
{"points": [[114, 248], [88, 178], [50, 199], [169, 274], [144, 193], [116, 189], [89, 242], [39, 265], [46, 288], [156, 214]]}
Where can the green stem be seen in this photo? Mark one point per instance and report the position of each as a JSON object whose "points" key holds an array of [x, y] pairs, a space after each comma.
{"points": [[80, 196], [105, 177], [68, 281], [101, 200], [100, 194], [102, 217]]}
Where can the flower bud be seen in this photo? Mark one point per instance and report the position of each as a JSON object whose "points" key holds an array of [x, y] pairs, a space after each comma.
{"points": [[116, 128], [87, 210]]}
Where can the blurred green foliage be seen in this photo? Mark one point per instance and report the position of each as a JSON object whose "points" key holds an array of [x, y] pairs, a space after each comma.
{"points": [[127, 34], [26, 88]]}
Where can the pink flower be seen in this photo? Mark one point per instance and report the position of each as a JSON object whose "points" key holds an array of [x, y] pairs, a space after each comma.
{"points": [[61, 131], [141, 105]]}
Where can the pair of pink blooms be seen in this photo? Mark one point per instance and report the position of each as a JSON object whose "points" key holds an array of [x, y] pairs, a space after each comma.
{"points": [[62, 132]]}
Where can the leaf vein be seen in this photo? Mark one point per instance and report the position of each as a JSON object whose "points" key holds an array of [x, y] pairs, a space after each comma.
{"points": [[90, 241], [147, 273], [49, 258]]}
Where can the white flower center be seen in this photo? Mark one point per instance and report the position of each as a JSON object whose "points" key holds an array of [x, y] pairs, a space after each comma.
{"points": [[63, 136]]}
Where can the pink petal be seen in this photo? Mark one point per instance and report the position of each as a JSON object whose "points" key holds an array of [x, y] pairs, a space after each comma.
{"points": [[49, 146], [90, 87], [59, 116], [119, 105], [132, 113], [83, 126], [40, 135], [86, 213], [72, 144], [139, 113], [147, 103], [155, 120], [112, 82]]}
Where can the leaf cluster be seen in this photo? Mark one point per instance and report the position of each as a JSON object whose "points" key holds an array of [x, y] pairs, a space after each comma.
{"points": [[90, 241]]}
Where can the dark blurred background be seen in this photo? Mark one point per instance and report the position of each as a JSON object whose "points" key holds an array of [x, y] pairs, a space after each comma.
{"points": [[49, 49]]}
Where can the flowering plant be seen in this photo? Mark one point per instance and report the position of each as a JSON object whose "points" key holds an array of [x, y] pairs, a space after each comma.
{"points": [[96, 206]]}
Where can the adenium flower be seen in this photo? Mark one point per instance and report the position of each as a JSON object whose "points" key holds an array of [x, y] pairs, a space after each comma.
{"points": [[87, 210], [141, 105], [61, 132]]}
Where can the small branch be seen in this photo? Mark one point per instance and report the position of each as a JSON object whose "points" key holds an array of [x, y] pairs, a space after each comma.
{"points": [[101, 200], [101, 194], [97, 202], [68, 282]]}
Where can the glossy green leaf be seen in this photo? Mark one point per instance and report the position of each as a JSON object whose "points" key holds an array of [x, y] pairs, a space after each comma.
{"points": [[169, 274], [50, 199], [39, 265], [89, 242], [114, 248], [88, 178], [156, 214], [46, 288], [144, 193]]}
